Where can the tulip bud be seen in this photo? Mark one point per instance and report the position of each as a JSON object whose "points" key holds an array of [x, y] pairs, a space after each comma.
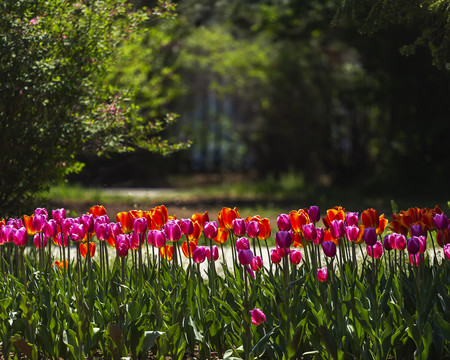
{"points": [[447, 251], [283, 222], [238, 226], [309, 232], [329, 248], [210, 229], [295, 256], [199, 254], [283, 239], [314, 214], [256, 263], [245, 257], [351, 219], [370, 236], [242, 244], [258, 317], [252, 229], [322, 274], [275, 256], [413, 245], [376, 250]]}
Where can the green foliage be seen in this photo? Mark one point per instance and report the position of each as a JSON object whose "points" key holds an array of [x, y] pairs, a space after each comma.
{"points": [[55, 100]]}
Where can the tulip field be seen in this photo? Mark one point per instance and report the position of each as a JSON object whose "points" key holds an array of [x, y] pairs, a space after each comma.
{"points": [[141, 284]]}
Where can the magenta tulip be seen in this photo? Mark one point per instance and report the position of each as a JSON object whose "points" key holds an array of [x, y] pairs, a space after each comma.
{"points": [[15, 223], [309, 232], [58, 215], [7, 234], [275, 256], [337, 229], [258, 317], [210, 230], [352, 232], [38, 222], [413, 245], [400, 242], [50, 228], [77, 232], [256, 263], [122, 245], [320, 235], [21, 237], [238, 227], [370, 236], [140, 225], [314, 214], [252, 229], [422, 244], [187, 227], [215, 252], [377, 250], [172, 230], [351, 219], [39, 242], [199, 254], [440, 221], [66, 226], [88, 221], [102, 231], [283, 222], [242, 244], [415, 259], [64, 238], [447, 251], [283, 239]]}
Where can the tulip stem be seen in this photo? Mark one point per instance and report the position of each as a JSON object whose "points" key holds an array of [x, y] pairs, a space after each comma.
{"points": [[286, 299], [268, 256], [245, 319]]}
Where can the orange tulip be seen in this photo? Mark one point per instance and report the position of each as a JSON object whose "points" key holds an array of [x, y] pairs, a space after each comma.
{"points": [[28, 222], [328, 237], [360, 238], [336, 213], [192, 246], [264, 226], [197, 231], [126, 219], [61, 264], [159, 216], [410, 216], [298, 219], [298, 241], [226, 217], [221, 236], [427, 217], [396, 225], [370, 218], [84, 249], [166, 252], [97, 210], [136, 214], [200, 218], [382, 224]]}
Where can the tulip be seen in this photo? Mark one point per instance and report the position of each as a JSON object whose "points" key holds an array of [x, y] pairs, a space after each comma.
{"points": [[320, 235], [337, 213], [242, 244], [283, 222], [440, 221], [88, 221], [199, 254], [77, 232], [329, 248], [172, 230], [370, 218], [447, 251], [258, 317], [377, 250], [413, 245], [21, 237], [210, 230], [387, 243], [422, 243], [416, 230], [188, 251], [66, 226], [314, 214], [64, 242], [126, 219], [295, 256], [283, 239], [351, 219], [97, 210], [352, 232], [309, 232], [50, 228], [39, 221], [156, 238], [84, 249], [256, 263], [238, 227], [298, 218], [322, 274], [38, 243], [245, 257], [275, 256], [140, 225], [122, 245], [252, 229], [202, 219], [226, 217], [370, 236], [58, 215], [41, 211], [215, 252], [187, 227], [102, 231], [16, 223], [337, 229], [400, 242], [416, 258], [221, 236]]}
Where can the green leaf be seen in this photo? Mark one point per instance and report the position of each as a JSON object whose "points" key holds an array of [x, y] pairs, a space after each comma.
{"points": [[150, 340]]}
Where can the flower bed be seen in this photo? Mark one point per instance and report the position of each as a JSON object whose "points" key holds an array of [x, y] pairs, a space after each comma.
{"points": [[355, 286]]}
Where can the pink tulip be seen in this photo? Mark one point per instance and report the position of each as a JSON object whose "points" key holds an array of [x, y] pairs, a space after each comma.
{"points": [[314, 214], [447, 251], [309, 232], [337, 229], [39, 221], [21, 237], [283, 222], [295, 256], [39, 242], [156, 238], [140, 225], [77, 232], [275, 256], [88, 221], [377, 250], [245, 257], [252, 229], [102, 231], [199, 254], [58, 215], [215, 252], [187, 227], [322, 274], [50, 228], [416, 259], [258, 317], [238, 227], [242, 244], [320, 235], [352, 232], [122, 245], [172, 230], [65, 238], [351, 219], [210, 230], [256, 263]]}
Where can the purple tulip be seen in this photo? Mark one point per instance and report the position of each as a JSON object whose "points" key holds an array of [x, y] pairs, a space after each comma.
{"points": [[387, 243], [187, 227], [309, 232], [352, 232], [440, 221], [283, 239], [50, 228], [15, 223], [329, 248], [283, 222], [77, 232], [66, 226], [115, 229], [7, 234], [38, 222], [252, 229], [337, 229], [295, 256], [258, 317], [400, 242], [238, 227], [416, 230], [41, 211], [377, 250], [242, 244], [58, 215], [314, 214], [413, 245], [21, 237], [172, 230], [88, 221], [210, 230], [370, 236], [245, 257], [199, 254]]}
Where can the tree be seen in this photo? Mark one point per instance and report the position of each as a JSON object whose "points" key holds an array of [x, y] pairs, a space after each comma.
{"points": [[54, 100]]}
